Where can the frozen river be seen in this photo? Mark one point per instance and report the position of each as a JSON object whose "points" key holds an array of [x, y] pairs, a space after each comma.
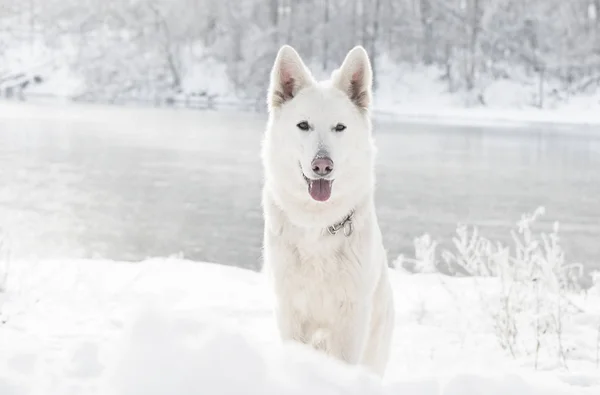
{"points": [[127, 184]]}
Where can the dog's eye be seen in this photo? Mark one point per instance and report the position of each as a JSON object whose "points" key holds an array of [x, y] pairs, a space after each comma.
{"points": [[303, 126], [340, 127]]}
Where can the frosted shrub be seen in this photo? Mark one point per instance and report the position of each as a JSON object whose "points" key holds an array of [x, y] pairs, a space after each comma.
{"points": [[549, 280], [479, 257], [425, 257], [425, 260], [535, 282], [474, 255]]}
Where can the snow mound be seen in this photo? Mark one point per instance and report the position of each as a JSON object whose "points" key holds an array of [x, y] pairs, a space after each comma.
{"points": [[170, 355]]}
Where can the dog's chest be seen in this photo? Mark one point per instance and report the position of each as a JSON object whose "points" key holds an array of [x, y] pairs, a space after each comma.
{"points": [[324, 280]]}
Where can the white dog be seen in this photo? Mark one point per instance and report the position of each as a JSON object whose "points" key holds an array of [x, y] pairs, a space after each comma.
{"points": [[322, 244]]}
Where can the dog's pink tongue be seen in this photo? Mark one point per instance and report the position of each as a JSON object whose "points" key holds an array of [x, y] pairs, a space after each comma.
{"points": [[319, 190]]}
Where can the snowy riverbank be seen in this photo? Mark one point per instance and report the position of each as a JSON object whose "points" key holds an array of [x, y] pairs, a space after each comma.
{"points": [[407, 93], [419, 94]]}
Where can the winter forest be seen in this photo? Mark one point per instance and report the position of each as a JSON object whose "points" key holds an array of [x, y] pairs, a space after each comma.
{"points": [[168, 49]]}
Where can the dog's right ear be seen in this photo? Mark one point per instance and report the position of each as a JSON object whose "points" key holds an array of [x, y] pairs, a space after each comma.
{"points": [[288, 76]]}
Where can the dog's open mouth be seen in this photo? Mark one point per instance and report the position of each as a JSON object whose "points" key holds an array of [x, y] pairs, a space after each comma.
{"points": [[319, 189]]}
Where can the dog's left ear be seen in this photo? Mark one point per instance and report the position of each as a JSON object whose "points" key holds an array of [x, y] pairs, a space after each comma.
{"points": [[355, 77]]}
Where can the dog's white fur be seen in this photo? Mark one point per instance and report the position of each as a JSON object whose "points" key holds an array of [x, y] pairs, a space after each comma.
{"points": [[332, 292]]}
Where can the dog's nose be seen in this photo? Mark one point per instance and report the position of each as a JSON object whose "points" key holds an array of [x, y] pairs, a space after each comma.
{"points": [[322, 166]]}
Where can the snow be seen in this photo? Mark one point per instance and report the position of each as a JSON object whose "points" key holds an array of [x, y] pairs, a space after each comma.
{"points": [[60, 84], [433, 114], [208, 76], [170, 326], [418, 94]]}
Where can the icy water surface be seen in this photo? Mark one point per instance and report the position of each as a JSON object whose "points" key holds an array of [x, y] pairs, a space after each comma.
{"points": [[128, 184]]}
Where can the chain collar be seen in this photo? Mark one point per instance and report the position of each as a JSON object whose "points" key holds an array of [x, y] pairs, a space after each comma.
{"points": [[345, 224]]}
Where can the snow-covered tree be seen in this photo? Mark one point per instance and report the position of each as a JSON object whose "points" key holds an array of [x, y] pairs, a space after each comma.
{"points": [[149, 48]]}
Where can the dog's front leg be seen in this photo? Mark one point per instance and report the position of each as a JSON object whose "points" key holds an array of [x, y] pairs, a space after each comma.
{"points": [[289, 323], [280, 261], [349, 336]]}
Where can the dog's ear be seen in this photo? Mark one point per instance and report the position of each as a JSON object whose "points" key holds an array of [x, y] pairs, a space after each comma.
{"points": [[355, 77], [288, 76]]}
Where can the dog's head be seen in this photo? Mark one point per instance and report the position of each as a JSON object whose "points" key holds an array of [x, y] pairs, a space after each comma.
{"points": [[318, 145]]}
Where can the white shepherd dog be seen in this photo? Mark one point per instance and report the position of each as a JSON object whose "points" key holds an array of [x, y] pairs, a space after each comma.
{"points": [[322, 244]]}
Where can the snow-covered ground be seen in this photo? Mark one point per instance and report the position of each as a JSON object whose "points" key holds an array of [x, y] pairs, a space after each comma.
{"points": [[167, 326], [419, 94]]}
